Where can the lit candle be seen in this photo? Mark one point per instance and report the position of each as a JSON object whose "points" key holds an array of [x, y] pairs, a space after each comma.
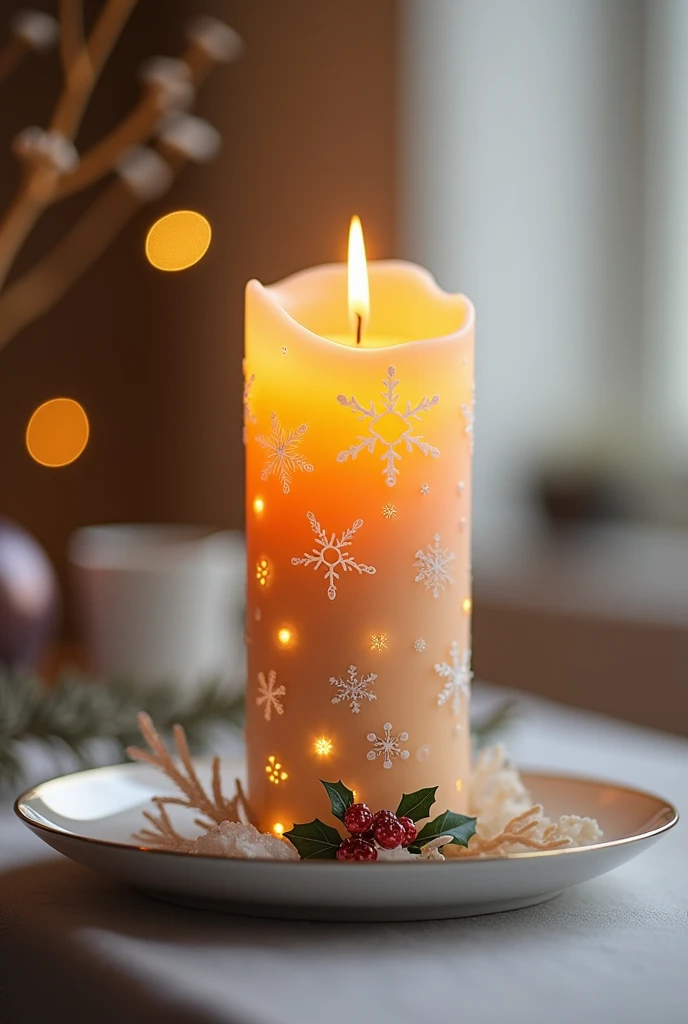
{"points": [[359, 430]]}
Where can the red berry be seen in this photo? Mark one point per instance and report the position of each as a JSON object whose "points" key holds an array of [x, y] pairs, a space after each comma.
{"points": [[410, 830], [390, 834], [356, 849], [382, 817], [358, 819]]}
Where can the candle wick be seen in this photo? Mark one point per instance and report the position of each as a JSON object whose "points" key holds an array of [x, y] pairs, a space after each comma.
{"points": [[359, 327]]}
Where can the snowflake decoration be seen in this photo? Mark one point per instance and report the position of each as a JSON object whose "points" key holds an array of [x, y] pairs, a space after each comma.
{"points": [[331, 554], [469, 416], [284, 350], [387, 746], [420, 645], [378, 642], [425, 488], [353, 689], [283, 456], [389, 511], [269, 693], [389, 426], [248, 414], [434, 566], [458, 676]]}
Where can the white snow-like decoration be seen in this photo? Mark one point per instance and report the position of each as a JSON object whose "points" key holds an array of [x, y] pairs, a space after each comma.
{"points": [[269, 693], [283, 457], [192, 136], [458, 677], [36, 145], [419, 645], [331, 554], [352, 689], [38, 30], [172, 79], [433, 849], [388, 746], [390, 427], [144, 172], [242, 842], [425, 488], [434, 567], [498, 795], [218, 40]]}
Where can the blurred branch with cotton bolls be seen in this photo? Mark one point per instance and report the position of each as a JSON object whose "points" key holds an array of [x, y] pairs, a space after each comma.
{"points": [[141, 156]]}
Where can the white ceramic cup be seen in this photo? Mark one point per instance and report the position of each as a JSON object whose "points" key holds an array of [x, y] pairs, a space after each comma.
{"points": [[161, 603]]}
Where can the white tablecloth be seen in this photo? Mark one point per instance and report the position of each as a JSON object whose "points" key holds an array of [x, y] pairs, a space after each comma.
{"points": [[81, 947]]}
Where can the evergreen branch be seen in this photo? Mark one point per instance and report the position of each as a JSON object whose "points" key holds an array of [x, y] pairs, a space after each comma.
{"points": [[77, 711]]}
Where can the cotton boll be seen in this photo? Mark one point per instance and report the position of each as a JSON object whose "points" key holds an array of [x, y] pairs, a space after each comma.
{"points": [[38, 30], [218, 40], [144, 172], [191, 136]]}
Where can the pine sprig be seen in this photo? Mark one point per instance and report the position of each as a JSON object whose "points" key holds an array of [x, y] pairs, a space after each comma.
{"points": [[77, 711]]}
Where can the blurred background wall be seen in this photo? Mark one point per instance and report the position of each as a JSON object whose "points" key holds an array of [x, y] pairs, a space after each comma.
{"points": [[308, 131], [533, 155]]}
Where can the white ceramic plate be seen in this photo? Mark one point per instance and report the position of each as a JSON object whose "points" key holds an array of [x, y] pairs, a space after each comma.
{"points": [[91, 815]]}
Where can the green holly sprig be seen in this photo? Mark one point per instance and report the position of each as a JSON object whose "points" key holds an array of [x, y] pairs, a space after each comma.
{"points": [[315, 840]]}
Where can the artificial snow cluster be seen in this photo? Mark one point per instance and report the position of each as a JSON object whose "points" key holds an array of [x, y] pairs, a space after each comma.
{"points": [[498, 796]]}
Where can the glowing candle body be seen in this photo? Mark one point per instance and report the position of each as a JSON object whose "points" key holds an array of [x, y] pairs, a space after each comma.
{"points": [[358, 484]]}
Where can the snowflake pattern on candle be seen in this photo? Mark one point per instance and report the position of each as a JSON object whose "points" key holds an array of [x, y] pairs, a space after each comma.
{"points": [[283, 455], [458, 677], [269, 693], [469, 416], [419, 645], [331, 554], [434, 566], [353, 689], [389, 426], [248, 414], [388, 746]]}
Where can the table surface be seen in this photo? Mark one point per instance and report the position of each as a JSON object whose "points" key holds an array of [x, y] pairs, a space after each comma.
{"points": [[615, 949]]}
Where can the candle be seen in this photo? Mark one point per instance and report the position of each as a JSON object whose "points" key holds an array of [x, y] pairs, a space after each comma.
{"points": [[359, 430]]}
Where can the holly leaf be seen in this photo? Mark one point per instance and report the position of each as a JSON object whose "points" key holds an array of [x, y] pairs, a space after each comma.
{"points": [[458, 826], [417, 805], [315, 840], [341, 798]]}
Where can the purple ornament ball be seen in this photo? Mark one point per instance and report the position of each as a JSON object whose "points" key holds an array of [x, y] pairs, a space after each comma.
{"points": [[29, 597]]}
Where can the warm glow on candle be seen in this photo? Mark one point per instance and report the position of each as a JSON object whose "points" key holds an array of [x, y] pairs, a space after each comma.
{"points": [[359, 291], [278, 828], [323, 746], [284, 636], [258, 505]]}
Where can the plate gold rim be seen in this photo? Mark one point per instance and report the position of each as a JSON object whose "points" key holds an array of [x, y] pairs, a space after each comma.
{"points": [[668, 807]]}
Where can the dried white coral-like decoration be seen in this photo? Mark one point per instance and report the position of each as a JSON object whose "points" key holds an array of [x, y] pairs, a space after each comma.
{"points": [[218, 40], [214, 806], [36, 29], [507, 819], [34, 145]]}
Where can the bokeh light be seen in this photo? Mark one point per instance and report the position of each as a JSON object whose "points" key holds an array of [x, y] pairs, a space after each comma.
{"points": [[323, 746], [178, 240], [57, 432]]}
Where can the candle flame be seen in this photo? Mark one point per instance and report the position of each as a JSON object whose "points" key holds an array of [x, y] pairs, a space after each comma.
{"points": [[359, 291]]}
